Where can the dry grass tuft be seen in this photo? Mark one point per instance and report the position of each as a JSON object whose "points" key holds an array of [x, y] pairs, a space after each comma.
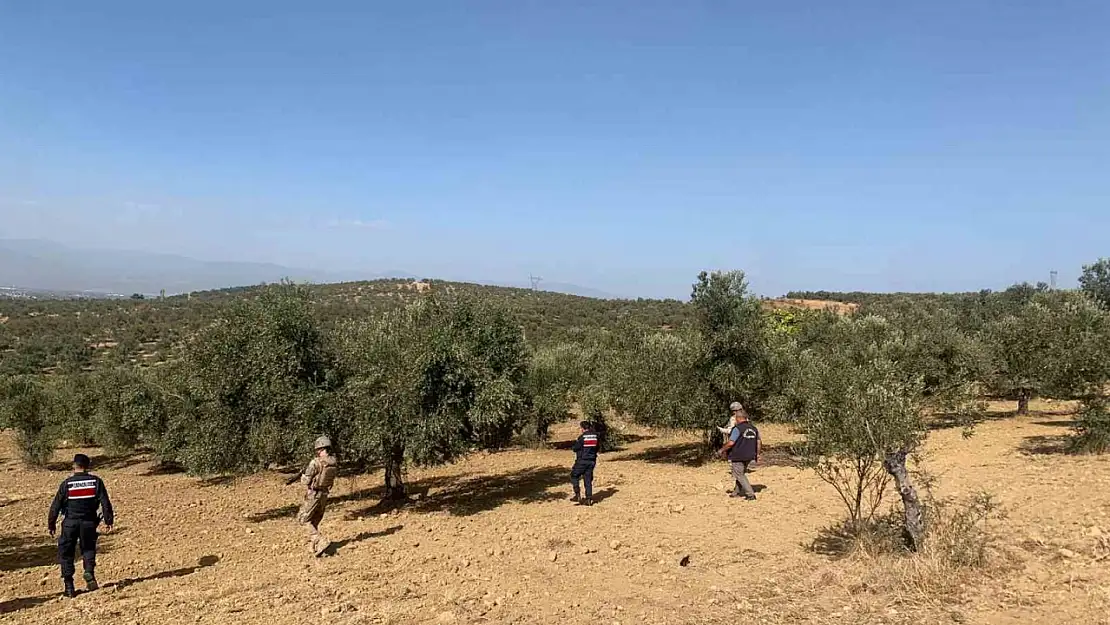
{"points": [[961, 550]]}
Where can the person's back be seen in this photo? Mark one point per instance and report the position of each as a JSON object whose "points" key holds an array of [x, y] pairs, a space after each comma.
{"points": [[585, 458], [81, 500], [585, 448], [746, 442], [741, 449]]}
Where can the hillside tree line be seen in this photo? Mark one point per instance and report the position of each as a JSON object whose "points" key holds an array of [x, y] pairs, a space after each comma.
{"points": [[251, 378]]}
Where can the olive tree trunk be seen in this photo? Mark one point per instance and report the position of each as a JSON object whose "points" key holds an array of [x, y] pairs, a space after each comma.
{"points": [[1023, 402], [913, 530], [394, 463]]}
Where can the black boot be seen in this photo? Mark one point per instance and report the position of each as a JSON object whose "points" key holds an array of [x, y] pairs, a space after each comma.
{"points": [[70, 591], [575, 498], [90, 581]]}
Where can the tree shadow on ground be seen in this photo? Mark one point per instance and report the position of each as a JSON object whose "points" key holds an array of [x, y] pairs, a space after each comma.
{"points": [[164, 468], [336, 546], [694, 454], [218, 480], [950, 421], [274, 514], [622, 440], [882, 534], [1046, 445], [1061, 423], [27, 552], [482, 493], [834, 542], [205, 562], [416, 491], [26, 603], [685, 454], [947, 421], [15, 605], [104, 461]]}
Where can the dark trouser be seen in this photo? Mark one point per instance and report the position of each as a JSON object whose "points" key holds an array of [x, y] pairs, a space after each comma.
{"points": [[584, 472], [72, 533]]}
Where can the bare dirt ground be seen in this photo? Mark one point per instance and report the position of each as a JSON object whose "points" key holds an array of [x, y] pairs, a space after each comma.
{"points": [[493, 539], [840, 308]]}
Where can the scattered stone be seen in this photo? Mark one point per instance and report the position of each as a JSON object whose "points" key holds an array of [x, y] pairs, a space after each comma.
{"points": [[447, 617], [1067, 553], [684, 560], [614, 545], [553, 556]]}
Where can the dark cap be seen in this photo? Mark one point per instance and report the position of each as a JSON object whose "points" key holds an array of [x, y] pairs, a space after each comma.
{"points": [[82, 461], [586, 425]]}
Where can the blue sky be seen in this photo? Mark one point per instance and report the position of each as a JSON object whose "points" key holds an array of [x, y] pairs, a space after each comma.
{"points": [[622, 145]]}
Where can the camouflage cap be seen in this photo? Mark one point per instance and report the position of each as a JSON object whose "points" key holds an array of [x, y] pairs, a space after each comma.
{"points": [[322, 442], [734, 406]]}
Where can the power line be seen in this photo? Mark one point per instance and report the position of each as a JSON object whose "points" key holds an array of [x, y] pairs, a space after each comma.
{"points": [[535, 280]]}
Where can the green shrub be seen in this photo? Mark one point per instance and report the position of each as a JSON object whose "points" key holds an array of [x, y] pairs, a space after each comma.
{"points": [[1092, 427], [26, 407]]}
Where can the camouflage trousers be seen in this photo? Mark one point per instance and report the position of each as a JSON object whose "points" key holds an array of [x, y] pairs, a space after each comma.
{"points": [[310, 515]]}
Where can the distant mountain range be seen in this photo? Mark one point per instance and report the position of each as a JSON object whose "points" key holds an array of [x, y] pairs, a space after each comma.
{"points": [[49, 266]]}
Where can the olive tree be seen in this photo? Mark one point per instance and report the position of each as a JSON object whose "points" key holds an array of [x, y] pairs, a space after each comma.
{"points": [[125, 407], [665, 384], [1044, 347], [735, 332], [1080, 360], [863, 400], [25, 406], [250, 385], [1095, 281], [430, 382], [567, 374], [76, 407]]}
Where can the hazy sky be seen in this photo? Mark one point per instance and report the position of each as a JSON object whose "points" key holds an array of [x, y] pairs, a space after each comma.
{"points": [[619, 145]]}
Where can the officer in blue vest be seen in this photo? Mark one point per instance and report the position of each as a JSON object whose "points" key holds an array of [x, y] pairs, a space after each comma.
{"points": [[585, 458], [742, 448]]}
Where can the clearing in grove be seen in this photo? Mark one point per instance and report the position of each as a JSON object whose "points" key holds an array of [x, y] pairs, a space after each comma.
{"points": [[494, 539]]}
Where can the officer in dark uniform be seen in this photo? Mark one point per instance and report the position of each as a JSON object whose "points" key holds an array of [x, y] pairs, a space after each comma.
{"points": [[585, 458], [78, 498]]}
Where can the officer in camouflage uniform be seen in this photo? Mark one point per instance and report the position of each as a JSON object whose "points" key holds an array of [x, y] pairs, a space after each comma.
{"points": [[318, 478]]}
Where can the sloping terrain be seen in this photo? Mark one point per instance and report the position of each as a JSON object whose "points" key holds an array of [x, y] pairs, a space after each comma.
{"points": [[493, 539]]}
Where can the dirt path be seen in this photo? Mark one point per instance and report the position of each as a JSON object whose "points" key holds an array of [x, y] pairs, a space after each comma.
{"points": [[493, 539]]}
